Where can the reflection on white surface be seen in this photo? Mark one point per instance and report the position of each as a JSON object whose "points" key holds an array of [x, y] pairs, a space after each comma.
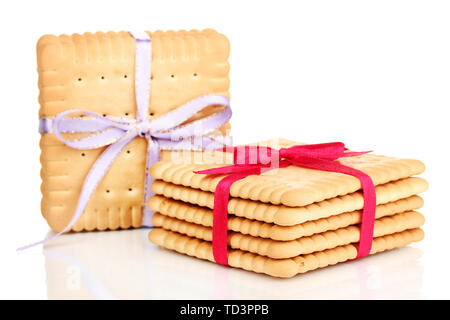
{"points": [[124, 265]]}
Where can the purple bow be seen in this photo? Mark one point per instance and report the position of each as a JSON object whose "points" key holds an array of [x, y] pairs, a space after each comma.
{"points": [[166, 131]]}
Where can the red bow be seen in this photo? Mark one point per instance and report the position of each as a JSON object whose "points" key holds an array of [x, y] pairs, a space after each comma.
{"points": [[250, 160]]}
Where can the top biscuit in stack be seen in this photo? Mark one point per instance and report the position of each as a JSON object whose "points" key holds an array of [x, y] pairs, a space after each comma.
{"points": [[292, 186]]}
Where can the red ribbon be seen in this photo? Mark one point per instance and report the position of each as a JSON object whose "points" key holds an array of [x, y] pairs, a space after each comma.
{"points": [[251, 160]]}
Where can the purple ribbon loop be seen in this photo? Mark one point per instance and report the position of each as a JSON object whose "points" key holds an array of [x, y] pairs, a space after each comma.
{"points": [[165, 132]]}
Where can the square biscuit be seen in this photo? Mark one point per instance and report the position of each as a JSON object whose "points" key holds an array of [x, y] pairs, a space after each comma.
{"points": [[181, 211], [291, 186], [284, 215], [95, 72], [304, 245], [281, 268]]}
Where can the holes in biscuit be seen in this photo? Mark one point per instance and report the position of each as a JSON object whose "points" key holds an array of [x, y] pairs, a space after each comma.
{"points": [[80, 79], [102, 77], [107, 190], [128, 151], [126, 113], [104, 115], [130, 189], [125, 76], [195, 74], [172, 76], [83, 154], [152, 114]]}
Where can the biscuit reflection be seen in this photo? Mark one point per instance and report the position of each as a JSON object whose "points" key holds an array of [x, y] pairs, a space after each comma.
{"points": [[98, 265], [124, 265], [389, 275]]}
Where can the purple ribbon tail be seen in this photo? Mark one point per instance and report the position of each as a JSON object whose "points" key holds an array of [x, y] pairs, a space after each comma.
{"points": [[95, 175]]}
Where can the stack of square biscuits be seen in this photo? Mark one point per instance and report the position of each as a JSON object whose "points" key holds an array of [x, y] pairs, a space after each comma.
{"points": [[290, 220]]}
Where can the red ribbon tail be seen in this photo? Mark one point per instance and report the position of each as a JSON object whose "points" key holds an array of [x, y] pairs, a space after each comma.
{"points": [[368, 215], [220, 217]]}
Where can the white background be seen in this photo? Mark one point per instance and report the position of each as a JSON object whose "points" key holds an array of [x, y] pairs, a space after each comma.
{"points": [[373, 74]]}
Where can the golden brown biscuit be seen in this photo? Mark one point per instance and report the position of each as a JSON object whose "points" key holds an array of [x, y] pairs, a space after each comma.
{"points": [[95, 72], [284, 215], [203, 216], [292, 186], [304, 245], [283, 268]]}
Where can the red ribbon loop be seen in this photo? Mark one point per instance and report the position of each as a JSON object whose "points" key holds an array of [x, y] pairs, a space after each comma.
{"points": [[250, 160]]}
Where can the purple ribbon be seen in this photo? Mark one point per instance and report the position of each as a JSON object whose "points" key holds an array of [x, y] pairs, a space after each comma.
{"points": [[165, 132]]}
